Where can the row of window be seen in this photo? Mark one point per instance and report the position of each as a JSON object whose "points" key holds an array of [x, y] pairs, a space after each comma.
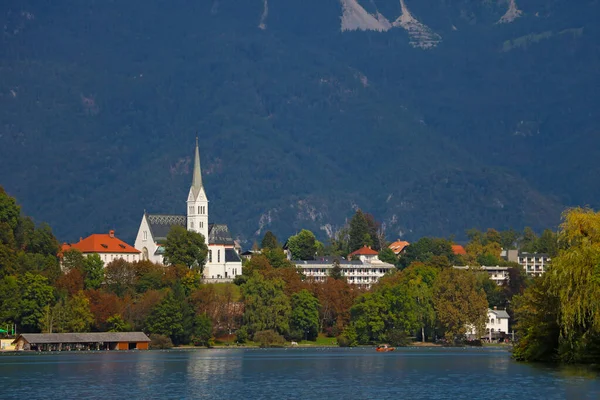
{"points": [[201, 210], [200, 224]]}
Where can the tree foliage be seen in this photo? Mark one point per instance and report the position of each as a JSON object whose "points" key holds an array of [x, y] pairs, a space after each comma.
{"points": [[459, 304], [303, 246], [304, 317], [185, 247], [568, 293]]}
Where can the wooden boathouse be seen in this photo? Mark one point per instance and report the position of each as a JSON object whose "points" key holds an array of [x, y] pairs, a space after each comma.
{"points": [[82, 341]]}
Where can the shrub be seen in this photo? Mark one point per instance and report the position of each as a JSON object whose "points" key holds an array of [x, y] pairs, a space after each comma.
{"points": [[160, 342], [242, 334], [348, 338], [398, 338], [269, 338]]}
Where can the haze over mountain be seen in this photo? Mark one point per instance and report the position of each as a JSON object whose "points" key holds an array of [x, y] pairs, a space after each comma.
{"points": [[434, 115]]}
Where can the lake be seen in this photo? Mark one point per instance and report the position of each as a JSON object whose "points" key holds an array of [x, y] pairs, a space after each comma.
{"points": [[299, 373]]}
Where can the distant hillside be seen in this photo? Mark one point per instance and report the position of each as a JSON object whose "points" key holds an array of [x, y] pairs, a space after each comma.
{"points": [[301, 118]]}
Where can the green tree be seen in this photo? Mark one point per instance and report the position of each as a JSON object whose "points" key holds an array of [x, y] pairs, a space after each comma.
{"points": [[359, 232], [458, 303], [35, 296], [9, 210], [425, 249], [567, 293], [419, 279], [73, 259], [202, 330], [508, 239], [547, 243], [387, 255], [266, 307], [303, 246], [304, 318], [269, 241], [79, 316], [93, 271], [185, 247], [166, 318], [336, 270], [116, 323], [528, 240], [43, 241]]}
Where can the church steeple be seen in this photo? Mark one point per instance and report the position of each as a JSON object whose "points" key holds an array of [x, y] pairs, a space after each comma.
{"points": [[197, 177], [197, 202]]}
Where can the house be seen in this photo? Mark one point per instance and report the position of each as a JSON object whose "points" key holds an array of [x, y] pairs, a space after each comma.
{"points": [[496, 326], [224, 262], [107, 246], [459, 250], [498, 274], [365, 254], [399, 246], [82, 341], [362, 272], [534, 264]]}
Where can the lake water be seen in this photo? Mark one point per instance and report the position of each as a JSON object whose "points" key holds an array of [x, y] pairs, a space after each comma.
{"points": [[324, 374]]}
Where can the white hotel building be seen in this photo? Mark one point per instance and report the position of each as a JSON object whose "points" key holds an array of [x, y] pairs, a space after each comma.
{"points": [[365, 270]]}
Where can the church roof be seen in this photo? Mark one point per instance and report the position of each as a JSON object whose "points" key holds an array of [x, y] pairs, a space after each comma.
{"points": [[232, 256], [101, 243], [219, 234], [197, 175], [161, 224]]}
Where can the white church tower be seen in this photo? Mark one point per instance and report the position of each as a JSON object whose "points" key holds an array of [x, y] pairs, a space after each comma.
{"points": [[197, 212]]}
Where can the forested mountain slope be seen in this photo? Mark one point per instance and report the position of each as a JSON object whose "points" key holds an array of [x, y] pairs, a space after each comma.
{"points": [[301, 118]]}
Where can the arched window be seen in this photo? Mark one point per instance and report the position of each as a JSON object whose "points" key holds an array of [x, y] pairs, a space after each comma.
{"points": [[192, 224], [145, 254]]}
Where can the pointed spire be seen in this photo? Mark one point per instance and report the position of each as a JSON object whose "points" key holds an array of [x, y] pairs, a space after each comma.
{"points": [[197, 177]]}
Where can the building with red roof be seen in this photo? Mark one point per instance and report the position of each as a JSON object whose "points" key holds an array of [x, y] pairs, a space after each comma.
{"points": [[365, 254], [459, 250], [398, 246], [107, 246]]}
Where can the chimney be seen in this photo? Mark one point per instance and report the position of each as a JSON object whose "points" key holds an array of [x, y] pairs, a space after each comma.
{"points": [[80, 238], [111, 233]]}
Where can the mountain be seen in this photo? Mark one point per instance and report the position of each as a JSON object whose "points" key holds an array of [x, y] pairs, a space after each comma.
{"points": [[434, 115]]}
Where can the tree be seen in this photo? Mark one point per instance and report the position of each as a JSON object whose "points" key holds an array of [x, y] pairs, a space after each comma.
{"points": [[547, 243], [336, 270], [185, 247], [79, 316], [35, 296], [387, 255], [458, 303], [202, 330], [425, 249], [266, 305], [73, 259], [9, 210], [528, 240], [116, 323], [419, 279], [303, 246], [359, 232], [304, 318], [269, 241], [568, 294], [508, 239], [120, 277], [166, 318], [93, 271]]}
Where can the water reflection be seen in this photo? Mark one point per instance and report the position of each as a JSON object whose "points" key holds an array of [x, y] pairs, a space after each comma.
{"points": [[290, 373]]}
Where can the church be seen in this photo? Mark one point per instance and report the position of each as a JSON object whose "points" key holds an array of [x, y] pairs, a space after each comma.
{"points": [[223, 263]]}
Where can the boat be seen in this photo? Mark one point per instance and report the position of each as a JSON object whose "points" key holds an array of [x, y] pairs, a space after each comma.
{"points": [[384, 348]]}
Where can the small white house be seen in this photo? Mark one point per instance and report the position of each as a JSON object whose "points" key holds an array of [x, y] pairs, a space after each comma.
{"points": [[496, 325]]}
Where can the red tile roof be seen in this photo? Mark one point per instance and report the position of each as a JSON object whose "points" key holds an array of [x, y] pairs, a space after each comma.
{"points": [[398, 246], [458, 249], [363, 251], [101, 243]]}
